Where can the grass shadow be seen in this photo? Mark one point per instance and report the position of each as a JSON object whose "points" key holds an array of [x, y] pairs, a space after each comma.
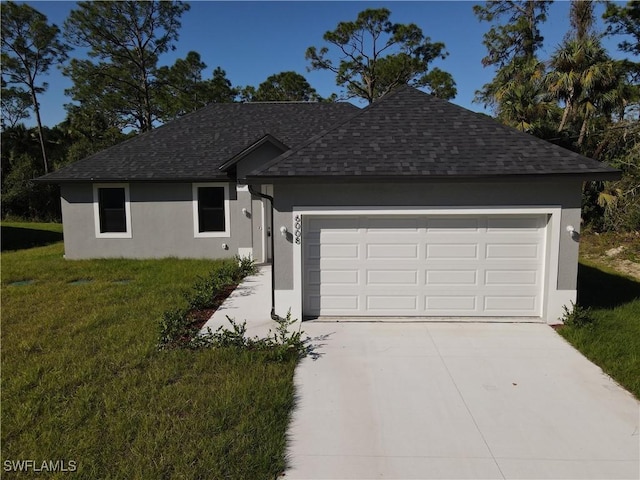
{"points": [[18, 238], [600, 289]]}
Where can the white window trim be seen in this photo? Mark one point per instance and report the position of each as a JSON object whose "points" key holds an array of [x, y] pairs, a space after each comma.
{"points": [[227, 223], [96, 210]]}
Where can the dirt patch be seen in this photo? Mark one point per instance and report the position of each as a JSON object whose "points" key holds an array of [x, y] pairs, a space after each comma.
{"points": [[627, 267], [619, 251]]}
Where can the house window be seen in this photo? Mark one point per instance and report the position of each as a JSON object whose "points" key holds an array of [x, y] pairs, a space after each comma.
{"points": [[112, 211], [211, 210]]}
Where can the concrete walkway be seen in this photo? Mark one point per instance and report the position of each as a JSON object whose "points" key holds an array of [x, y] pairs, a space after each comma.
{"points": [[251, 301], [413, 400]]}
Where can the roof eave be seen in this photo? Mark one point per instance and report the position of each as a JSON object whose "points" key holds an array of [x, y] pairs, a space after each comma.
{"points": [[519, 177], [60, 181]]}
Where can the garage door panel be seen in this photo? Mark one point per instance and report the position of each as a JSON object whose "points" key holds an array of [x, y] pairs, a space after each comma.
{"points": [[524, 304], [511, 277], [458, 225], [451, 304], [514, 224], [391, 225], [512, 251], [341, 251], [452, 251], [392, 251], [400, 304], [392, 277], [340, 303], [424, 265], [451, 277]]}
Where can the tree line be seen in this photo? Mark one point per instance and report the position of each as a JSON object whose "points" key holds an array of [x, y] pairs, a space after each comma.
{"points": [[579, 97]]}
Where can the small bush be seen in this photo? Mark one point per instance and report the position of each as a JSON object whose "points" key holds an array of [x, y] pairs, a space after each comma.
{"points": [[223, 337], [284, 343], [175, 329], [247, 266], [577, 316], [202, 294], [281, 345]]}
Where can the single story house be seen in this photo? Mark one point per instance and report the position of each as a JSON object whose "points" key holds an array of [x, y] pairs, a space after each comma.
{"points": [[411, 207]]}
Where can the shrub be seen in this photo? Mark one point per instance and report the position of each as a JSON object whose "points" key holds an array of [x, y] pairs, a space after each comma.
{"points": [[280, 345], [175, 329], [223, 337], [202, 293], [246, 265], [577, 316], [284, 343]]}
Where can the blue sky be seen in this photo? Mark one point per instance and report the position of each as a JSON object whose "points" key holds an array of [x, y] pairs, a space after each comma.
{"points": [[252, 40]]}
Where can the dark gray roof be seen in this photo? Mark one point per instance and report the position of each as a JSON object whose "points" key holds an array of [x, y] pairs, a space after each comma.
{"points": [[194, 146], [409, 134]]}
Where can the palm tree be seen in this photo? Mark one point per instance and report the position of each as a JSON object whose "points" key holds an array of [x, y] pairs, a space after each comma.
{"points": [[521, 96], [582, 75]]}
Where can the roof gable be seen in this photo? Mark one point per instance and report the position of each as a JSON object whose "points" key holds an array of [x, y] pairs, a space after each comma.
{"points": [[268, 139], [409, 133]]}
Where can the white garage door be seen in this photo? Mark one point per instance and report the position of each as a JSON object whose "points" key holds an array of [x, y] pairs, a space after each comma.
{"points": [[453, 266]]}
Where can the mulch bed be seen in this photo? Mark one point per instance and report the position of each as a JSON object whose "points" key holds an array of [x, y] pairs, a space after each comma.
{"points": [[200, 317]]}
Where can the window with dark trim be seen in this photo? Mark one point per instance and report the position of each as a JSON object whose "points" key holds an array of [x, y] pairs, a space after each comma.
{"points": [[211, 214], [113, 213]]}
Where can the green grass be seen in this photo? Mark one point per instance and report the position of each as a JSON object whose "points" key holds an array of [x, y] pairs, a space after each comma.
{"points": [[613, 341], [82, 378]]}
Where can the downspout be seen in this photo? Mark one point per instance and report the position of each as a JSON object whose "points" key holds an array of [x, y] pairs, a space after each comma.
{"points": [[273, 252]]}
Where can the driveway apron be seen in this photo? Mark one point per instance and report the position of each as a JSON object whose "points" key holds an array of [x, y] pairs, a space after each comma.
{"points": [[408, 400]]}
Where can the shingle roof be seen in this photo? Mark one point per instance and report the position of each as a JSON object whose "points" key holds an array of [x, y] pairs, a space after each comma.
{"points": [[194, 146], [405, 135], [409, 134]]}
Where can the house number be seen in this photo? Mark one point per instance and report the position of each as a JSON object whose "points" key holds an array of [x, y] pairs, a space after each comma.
{"points": [[297, 230]]}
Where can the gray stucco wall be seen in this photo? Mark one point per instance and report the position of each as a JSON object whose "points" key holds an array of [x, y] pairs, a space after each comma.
{"points": [[161, 223], [566, 194]]}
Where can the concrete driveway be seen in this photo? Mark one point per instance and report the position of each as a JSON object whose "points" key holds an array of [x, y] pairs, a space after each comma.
{"points": [[443, 400]]}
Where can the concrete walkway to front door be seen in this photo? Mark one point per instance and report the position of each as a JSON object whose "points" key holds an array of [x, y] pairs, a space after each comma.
{"points": [[250, 302], [444, 400]]}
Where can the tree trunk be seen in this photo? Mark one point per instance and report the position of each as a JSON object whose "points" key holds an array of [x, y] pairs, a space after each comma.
{"points": [[36, 109], [565, 116], [583, 129]]}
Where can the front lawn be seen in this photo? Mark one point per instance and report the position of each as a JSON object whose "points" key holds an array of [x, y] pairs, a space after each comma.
{"points": [[83, 381]]}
